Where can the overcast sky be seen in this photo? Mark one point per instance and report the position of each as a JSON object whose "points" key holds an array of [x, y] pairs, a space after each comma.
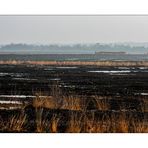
{"points": [[73, 29]]}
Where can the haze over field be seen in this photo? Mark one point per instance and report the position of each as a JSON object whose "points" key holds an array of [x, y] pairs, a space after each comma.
{"points": [[73, 48], [73, 29], [73, 34]]}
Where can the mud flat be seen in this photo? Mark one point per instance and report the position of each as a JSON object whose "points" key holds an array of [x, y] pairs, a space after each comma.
{"points": [[104, 97]]}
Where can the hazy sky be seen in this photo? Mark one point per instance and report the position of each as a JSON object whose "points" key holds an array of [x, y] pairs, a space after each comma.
{"points": [[73, 29]]}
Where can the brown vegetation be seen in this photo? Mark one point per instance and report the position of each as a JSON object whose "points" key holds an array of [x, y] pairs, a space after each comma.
{"points": [[80, 118], [79, 63], [15, 123]]}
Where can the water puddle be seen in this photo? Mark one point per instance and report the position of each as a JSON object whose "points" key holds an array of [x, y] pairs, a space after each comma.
{"points": [[16, 96], [12, 74], [66, 67], [10, 102], [111, 71], [55, 79], [25, 79], [142, 94]]}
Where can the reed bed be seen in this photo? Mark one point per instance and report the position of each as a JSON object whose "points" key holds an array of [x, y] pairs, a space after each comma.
{"points": [[79, 63], [80, 118]]}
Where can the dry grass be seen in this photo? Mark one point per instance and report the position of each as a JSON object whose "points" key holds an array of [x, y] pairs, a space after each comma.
{"points": [[66, 102], [45, 125], [54, 124], [80, 119], [70, 102], [91, 125], [78, 123], [122, 124], [101, 103], [82, 122], [140, 127], [47, 102], [75, 123], [39, 120], [79, 63], [73, 103], [15, 123]]}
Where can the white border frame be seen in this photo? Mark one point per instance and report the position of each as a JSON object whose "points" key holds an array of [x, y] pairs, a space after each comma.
{"points": [[73, 7]]}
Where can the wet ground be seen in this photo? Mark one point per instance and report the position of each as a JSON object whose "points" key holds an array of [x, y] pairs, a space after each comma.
{"points": [[125, 88], [117, 84], [86, 80], [73, 57]]}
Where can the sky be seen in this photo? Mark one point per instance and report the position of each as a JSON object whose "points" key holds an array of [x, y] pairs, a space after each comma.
{"points": [[73, 29]]}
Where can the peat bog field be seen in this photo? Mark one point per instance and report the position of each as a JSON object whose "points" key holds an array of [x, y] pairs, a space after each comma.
{"points": [[73, 98]]}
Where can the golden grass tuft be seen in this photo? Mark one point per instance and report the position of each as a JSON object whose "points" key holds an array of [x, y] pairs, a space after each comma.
{"points": [[47, 102], [80, 119], [101, 103], [72, 103], [15, 124], [75, 123]]}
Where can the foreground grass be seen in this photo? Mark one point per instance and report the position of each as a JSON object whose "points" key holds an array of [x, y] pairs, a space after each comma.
{"points": [[79, 119]]}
